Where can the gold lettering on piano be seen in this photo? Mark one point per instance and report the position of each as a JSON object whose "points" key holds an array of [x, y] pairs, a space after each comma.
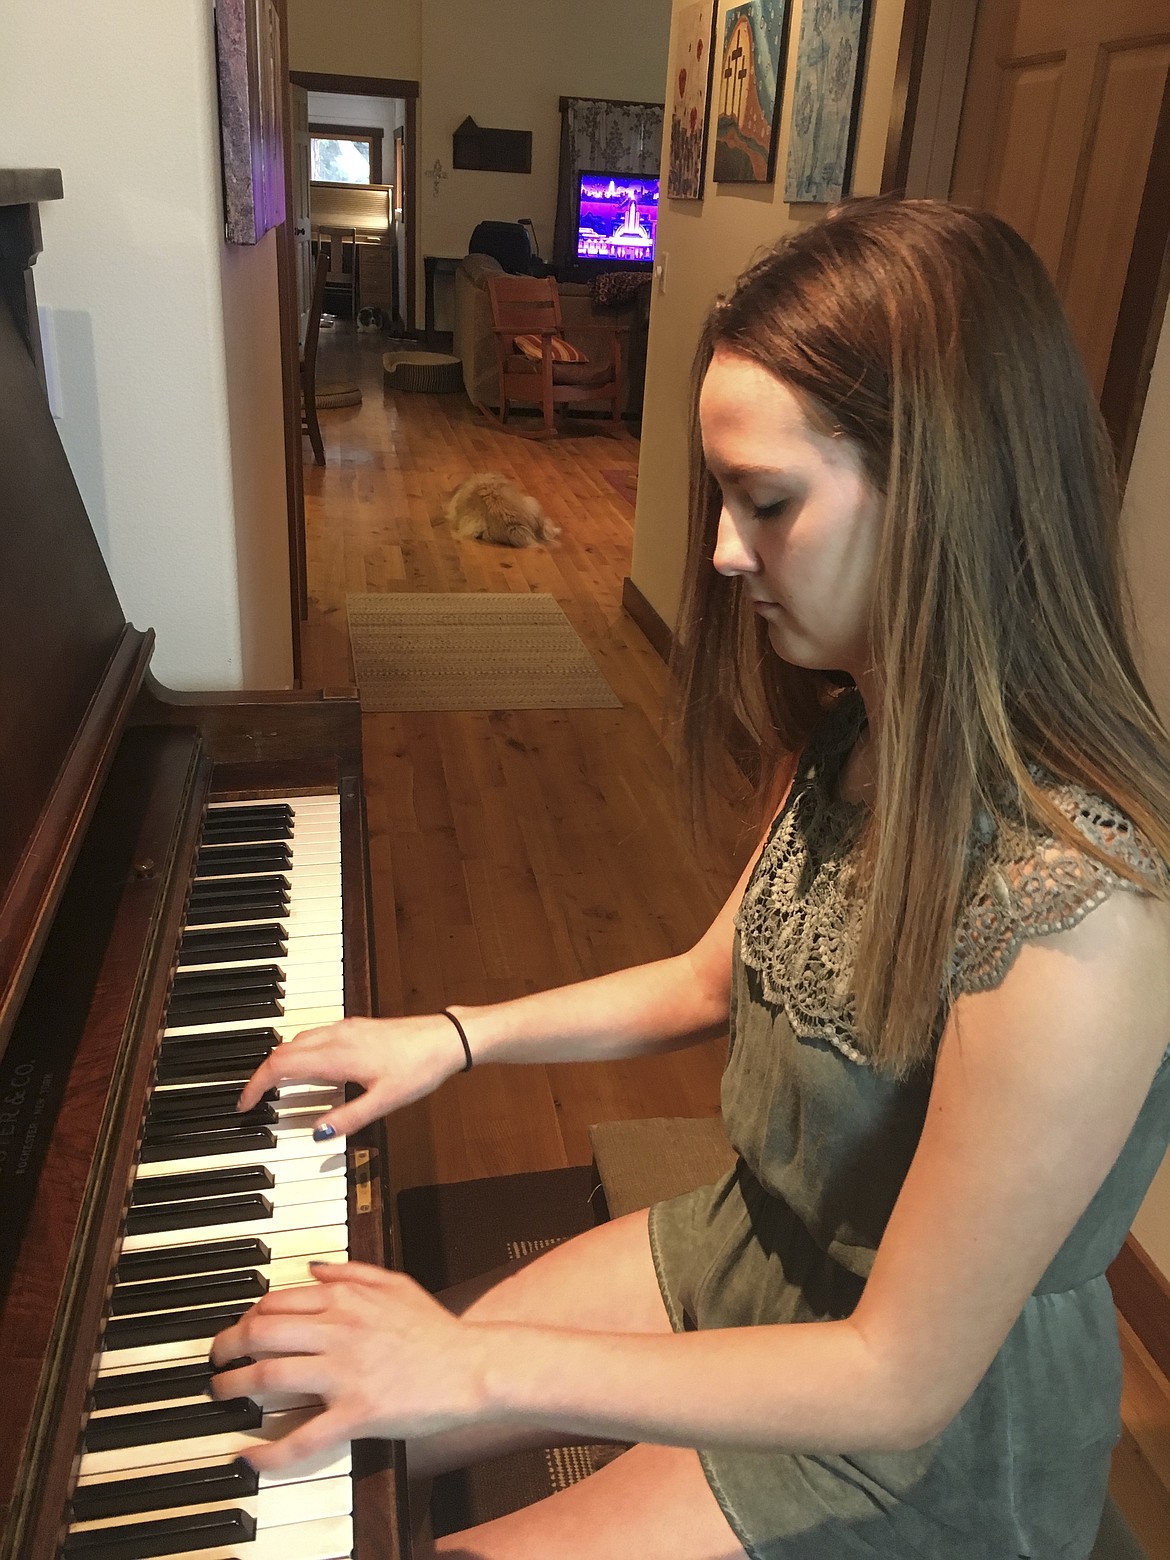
{"points": [[363, 1196]]}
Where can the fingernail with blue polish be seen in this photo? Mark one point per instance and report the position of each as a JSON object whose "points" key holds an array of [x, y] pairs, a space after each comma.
{"points": [[324, 1132]]}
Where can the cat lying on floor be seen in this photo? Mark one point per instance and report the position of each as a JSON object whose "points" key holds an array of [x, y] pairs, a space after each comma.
{"points": [[493, 508]]}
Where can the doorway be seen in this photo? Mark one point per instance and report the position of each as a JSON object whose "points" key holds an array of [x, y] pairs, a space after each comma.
{"points": [[378, 103]]}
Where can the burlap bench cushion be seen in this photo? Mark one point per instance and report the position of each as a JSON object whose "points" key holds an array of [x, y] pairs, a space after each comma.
{"points": [[644, 1162], [637, 1163]]}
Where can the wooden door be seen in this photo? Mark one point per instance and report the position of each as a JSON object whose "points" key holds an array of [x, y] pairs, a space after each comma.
{"points": [[299, 99], [1059, 122]]}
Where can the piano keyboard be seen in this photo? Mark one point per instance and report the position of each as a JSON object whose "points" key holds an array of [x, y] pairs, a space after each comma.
{"points": [[224, 1207]]}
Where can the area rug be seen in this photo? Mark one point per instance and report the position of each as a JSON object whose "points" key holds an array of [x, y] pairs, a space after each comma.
{"points": [[470, 651], [626, 483], [456, 1232]]}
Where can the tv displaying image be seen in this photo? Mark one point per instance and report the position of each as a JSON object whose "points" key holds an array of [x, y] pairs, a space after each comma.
{"points": [[617, 218]]}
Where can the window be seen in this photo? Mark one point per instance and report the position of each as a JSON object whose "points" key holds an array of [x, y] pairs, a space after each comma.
{"points": [[345, 154]]}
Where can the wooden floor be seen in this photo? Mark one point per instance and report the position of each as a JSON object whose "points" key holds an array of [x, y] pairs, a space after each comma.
{"points": [[521, 850]]}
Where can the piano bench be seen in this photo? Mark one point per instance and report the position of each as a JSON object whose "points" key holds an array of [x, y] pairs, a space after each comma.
{"points": [[636, 1163]]}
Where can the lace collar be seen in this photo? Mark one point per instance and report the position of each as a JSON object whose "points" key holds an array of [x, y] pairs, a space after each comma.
{"points": [[799, 917]]}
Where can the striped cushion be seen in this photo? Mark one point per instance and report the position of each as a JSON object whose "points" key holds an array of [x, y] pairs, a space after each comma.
{"points": [[562, 351]]}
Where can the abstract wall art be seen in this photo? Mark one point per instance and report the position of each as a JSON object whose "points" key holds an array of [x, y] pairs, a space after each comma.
{"points": [[826, 96], [690, 85], [748, 89]]}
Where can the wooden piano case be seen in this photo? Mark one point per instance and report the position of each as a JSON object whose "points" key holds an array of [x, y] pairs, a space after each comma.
{"points": [[103, 780]]}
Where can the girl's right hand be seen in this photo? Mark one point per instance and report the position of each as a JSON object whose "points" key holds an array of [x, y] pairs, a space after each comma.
{"points": [[396, 1060]]}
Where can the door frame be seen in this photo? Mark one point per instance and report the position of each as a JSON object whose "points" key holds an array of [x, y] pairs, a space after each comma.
{"points": [[933, 56], [384, 86]]}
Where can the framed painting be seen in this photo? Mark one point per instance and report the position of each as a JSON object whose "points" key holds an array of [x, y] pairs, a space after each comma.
{"points": [[751, 79], [829, 67], [251, 117], [690, 79]]}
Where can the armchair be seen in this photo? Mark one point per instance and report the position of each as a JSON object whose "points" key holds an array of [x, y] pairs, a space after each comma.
{"points": [[525, 305]]}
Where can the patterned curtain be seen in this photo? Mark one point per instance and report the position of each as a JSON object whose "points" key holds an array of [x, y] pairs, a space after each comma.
{"points": [[610, 136]]}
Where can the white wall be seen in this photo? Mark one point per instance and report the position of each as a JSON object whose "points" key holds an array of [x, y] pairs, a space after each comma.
{"points": [[174, 434]]}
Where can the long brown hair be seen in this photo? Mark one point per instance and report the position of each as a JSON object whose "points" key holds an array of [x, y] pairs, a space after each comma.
{"points": [[931, 337]]}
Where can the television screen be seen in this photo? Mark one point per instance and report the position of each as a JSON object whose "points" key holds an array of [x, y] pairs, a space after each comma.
{"points": [[617, 217]]}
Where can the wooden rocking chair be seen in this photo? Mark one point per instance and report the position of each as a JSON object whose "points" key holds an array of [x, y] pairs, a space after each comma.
{"points": [[531, 305]]}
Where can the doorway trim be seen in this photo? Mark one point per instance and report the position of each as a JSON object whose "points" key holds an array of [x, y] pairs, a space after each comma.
{"points": [[383, 86]]}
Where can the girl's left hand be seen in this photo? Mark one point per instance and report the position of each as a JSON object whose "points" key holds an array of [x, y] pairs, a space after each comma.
{"points": [[386, 1359]]}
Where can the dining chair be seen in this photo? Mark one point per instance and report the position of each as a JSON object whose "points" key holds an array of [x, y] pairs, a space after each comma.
{"points": [[309, 423]]}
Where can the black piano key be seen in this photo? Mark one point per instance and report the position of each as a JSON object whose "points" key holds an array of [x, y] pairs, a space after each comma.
{"points": [[246, 977], [267, 940], [240, 887], [241, 860], [240, 813], [222, 1010], [210, 1183], [163, 1128], [200, 1144], [246, 809], [134, 1332], [203, 1069], [225, 1036], [163, 1536], [210, 1047], [204, 1256], [161, 1491], [195, 1289], [159, 1385], [174, 1104], [199, 1211], [245, 910], [223, 829]]}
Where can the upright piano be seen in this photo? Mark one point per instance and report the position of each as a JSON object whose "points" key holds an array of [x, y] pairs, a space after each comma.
{"points": [[184, 884]]}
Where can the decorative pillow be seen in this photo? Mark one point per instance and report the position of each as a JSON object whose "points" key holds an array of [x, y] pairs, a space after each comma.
{"points": [[562, 351]]}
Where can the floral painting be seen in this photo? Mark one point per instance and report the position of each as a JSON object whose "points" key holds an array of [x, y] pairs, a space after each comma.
{"points": [[827, 92], [751, 75], [690, 86]]}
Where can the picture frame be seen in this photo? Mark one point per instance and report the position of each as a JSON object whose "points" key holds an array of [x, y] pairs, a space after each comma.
{"points": [[750, 89], [690, 86], [251, 117], [830, 71]]}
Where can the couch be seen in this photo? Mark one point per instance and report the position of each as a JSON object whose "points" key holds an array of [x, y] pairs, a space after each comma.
{"points": [[475, 342]]}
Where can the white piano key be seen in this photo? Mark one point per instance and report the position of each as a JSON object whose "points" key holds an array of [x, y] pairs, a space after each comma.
{"points": [[300, 1146], [307, 1501], [286, 1024], [298, 1216], [327, 1187], [337, 1466], [196, 1449], [305, 948], [331, 1539]]}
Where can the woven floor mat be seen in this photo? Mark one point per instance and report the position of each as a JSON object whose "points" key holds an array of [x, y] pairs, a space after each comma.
{"points": [[455, 1232], [470, 651]]}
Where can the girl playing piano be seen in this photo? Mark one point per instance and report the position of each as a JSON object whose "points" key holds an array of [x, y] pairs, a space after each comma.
{"points": [[887, 1332]]}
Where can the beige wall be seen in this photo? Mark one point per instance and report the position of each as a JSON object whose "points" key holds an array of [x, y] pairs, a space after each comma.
{"points": [[507, 66], [705, 244], [1147, 540], [175, 437], [355, 37]]}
